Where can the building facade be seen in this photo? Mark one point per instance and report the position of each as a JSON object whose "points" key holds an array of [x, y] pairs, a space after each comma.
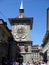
{"points": [[7, 44], [45, 44], [21, 26], [36, 53], [4, 37]]}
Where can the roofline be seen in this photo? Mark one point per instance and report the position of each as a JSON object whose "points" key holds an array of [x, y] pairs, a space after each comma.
{"points": [[20, 20], [45, 38], [5, 25], [47, 19]]}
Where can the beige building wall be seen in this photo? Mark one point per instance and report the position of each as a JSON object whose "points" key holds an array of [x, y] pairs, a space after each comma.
{"points": [[46, 49], [27, 56], [36, 53], [36, 56]]}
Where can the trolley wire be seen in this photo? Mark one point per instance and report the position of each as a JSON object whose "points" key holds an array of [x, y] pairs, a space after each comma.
{"points": [[3, 15]]}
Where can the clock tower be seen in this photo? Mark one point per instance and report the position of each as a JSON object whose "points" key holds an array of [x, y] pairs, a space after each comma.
{"points": [[21, 26]]}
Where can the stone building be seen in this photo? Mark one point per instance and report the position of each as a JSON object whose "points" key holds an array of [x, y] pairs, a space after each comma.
{"points": [[4, 37], [36, 53], [21, 26], [20, 29], [45, 44], [7, 43]]}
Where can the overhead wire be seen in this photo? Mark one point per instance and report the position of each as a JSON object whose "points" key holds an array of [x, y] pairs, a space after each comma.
{"points": [[3, 15]]}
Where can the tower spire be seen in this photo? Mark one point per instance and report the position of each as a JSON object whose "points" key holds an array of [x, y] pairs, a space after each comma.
{"points": [[21, 6], [21, 10]]}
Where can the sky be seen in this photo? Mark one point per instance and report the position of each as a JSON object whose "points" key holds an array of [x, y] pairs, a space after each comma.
{"points": [[32, 8]]}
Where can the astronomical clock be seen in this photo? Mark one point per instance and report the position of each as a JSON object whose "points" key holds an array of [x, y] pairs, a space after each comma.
{"points": [[21, 33]]}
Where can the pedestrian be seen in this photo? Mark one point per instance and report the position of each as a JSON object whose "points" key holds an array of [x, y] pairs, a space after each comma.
{"points": [[27, 63]]}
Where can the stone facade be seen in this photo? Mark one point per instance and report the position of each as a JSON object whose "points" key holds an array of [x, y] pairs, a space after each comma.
{"points": [[4, 37], [8, 47], [21, 26], [45, 44], [45, 49], [36, 53]]}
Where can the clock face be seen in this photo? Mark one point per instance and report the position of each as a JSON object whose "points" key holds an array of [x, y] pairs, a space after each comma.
{"points": [[21, 32]]}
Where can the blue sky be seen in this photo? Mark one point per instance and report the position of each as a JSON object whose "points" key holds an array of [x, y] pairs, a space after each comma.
{"points": [[32, 8]]}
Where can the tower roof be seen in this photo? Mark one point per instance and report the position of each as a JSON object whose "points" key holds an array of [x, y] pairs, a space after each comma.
{"points": [[21, 6], [28, 21], [21, 10], [21, 18]]}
